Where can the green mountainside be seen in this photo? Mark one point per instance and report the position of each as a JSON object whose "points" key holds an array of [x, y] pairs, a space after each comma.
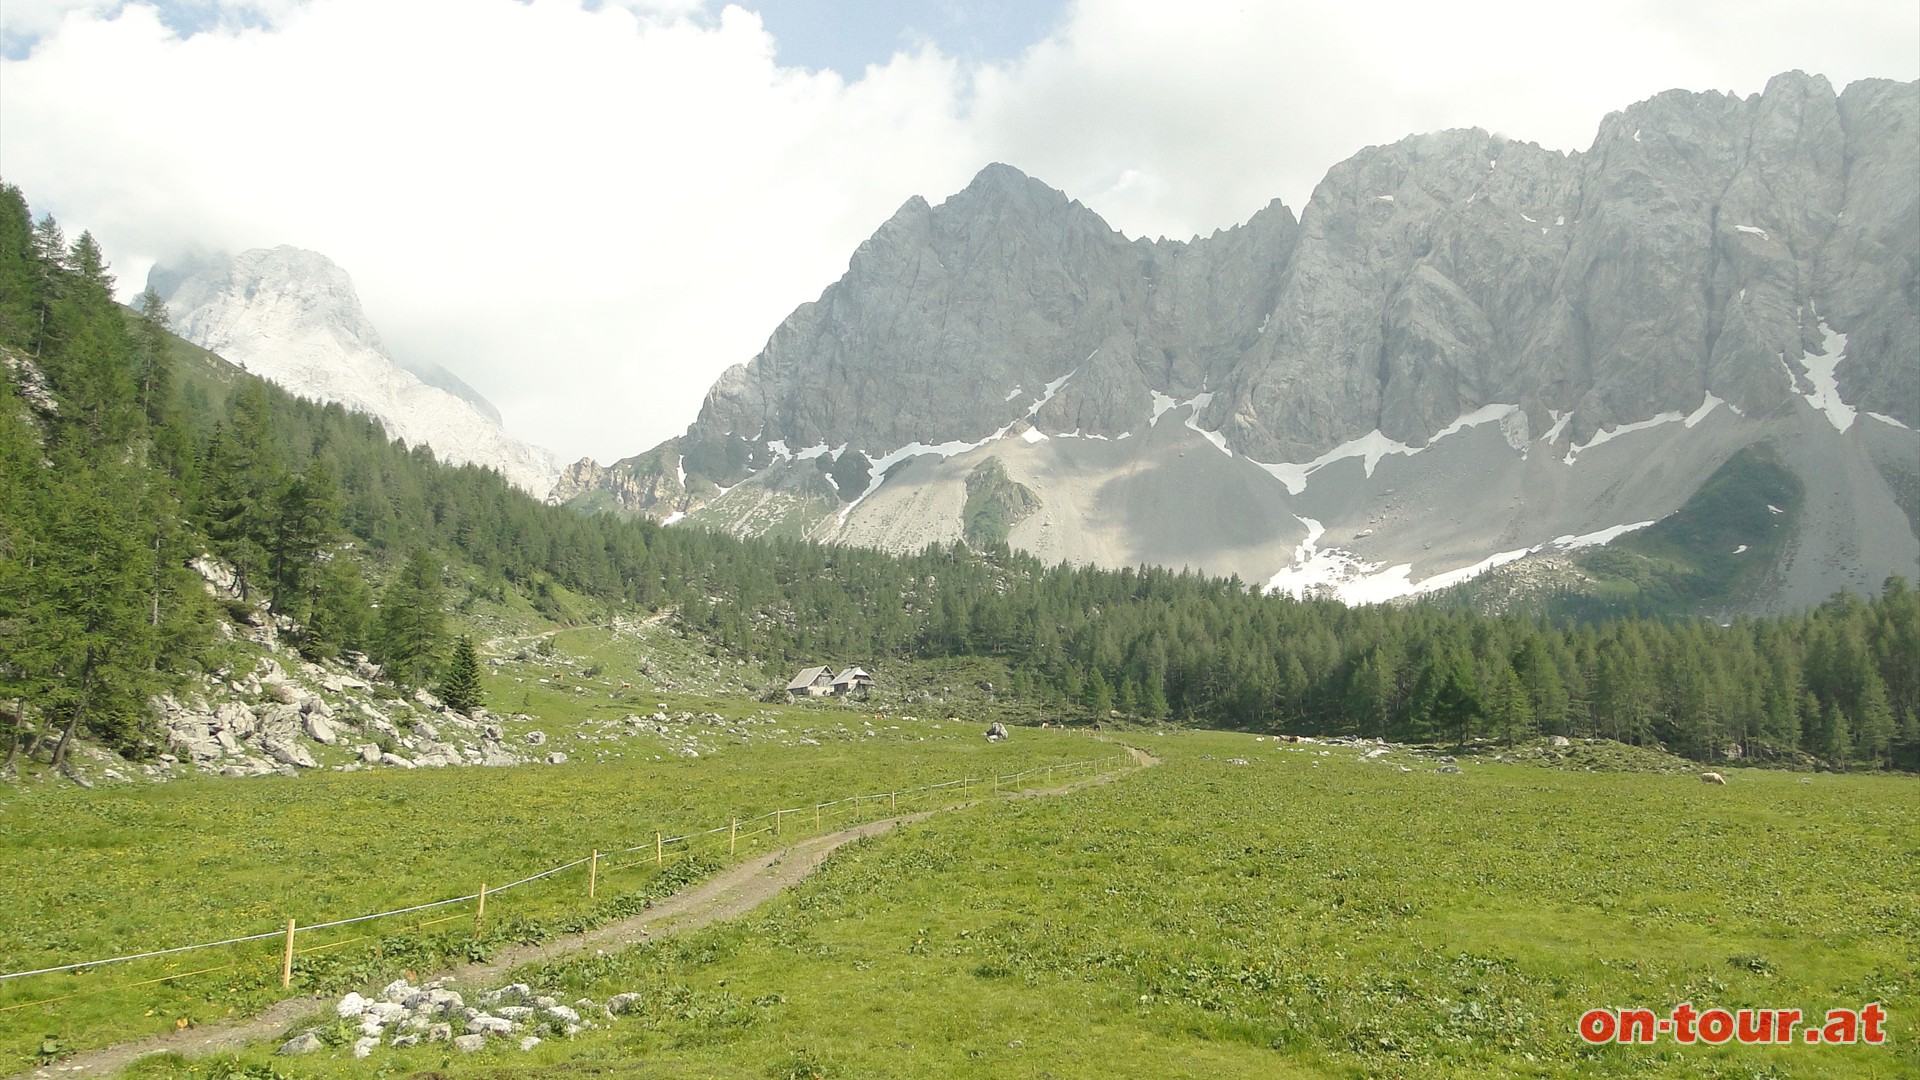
{"points": [[995, 504], [125, 454]]}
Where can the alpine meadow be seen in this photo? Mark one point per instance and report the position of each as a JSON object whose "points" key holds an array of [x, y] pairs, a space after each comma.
{"points": [[328, 754]]}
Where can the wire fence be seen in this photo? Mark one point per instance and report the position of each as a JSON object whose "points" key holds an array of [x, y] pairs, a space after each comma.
{"points": [[838, 813]]}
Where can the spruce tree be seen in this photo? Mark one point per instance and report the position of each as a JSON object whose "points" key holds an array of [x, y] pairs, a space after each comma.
{"points": [[339, 610], [460, 687], [413, 620]]}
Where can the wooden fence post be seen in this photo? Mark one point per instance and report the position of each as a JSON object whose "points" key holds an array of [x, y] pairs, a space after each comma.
{"points": [[816, 817], [481, 914], [286, 962], [776, 822], [659, 850], [893, 802], [593, 873], [733, 836]]}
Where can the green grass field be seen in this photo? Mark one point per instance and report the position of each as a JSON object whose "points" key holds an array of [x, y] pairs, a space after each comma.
{"points": [[97, 874], [1297, 915]]}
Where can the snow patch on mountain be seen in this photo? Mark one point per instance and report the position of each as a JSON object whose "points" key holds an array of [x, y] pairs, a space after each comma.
{"points": [[1825, 392], [1374, 445], [1342, 575], [1707, 404]]}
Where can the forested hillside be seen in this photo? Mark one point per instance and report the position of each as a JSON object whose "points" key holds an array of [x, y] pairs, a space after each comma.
{"points": [[125, 454]]}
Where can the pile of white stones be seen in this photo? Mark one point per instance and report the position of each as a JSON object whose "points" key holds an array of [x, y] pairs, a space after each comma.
{"points": [[406, 1015]]}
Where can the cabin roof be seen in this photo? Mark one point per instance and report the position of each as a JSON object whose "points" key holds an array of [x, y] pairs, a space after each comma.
{"points": [[809, 676]]}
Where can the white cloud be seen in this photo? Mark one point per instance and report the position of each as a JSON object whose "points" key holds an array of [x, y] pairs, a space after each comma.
{"points": [[589, 213], [23, 20]]}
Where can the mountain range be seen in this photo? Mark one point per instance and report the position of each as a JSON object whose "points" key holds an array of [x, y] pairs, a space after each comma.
{"points": [[1466, 354]]}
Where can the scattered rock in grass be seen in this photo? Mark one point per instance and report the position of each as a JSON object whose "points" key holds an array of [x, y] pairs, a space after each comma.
{"points": [[515, 1011], [529, 1042], [535, 738], [305, 1043], [288, 752], [620, 1004], [558, 757], [510, 994], [1448, 769]]}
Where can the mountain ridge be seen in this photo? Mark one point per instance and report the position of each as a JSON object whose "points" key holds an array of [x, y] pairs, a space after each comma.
{"points": [[1741, 268]]}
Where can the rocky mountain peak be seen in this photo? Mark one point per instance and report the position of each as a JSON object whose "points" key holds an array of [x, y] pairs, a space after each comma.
{"points": [[293, 316], [1747, 262]]}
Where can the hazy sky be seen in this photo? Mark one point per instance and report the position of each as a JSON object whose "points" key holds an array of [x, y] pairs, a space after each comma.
{"points": [[589, 208]]}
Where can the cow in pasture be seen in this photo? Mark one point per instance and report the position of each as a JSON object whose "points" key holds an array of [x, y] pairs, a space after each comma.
{"points": [[1712, 778]]}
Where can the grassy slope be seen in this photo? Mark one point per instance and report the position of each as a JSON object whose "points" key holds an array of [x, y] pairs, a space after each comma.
{"points": [[1713, 555], [1688, 563], [100, 873], [1287, 918]]}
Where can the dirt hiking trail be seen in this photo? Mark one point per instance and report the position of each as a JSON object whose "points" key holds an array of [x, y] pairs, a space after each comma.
{"points": [[728, 894]]}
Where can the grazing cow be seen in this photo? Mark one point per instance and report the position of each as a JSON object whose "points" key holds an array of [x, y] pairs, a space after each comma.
{"points": [[1712, 778], [625, 685]]}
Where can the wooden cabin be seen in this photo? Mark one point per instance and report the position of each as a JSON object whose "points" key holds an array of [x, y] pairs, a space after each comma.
{"points": [[851, 682], [811, 682]]}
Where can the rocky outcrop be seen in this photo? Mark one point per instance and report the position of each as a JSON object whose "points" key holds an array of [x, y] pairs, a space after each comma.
{"points": [[293, 317], [271, 720], [654, 483]]}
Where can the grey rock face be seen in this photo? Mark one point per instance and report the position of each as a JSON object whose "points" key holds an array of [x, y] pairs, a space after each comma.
{"points": [[1759, 252], [1700, 238]]}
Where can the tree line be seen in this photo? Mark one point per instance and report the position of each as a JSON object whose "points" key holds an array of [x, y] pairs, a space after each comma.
{"points": [[149, 454]]}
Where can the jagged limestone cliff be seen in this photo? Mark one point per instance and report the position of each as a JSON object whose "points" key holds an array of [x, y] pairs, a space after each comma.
{"points": [[1464, 349]]}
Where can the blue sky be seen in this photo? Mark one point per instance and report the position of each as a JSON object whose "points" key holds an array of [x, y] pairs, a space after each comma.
{"points": [[847, 35], [839, 35], [588, 209]]}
